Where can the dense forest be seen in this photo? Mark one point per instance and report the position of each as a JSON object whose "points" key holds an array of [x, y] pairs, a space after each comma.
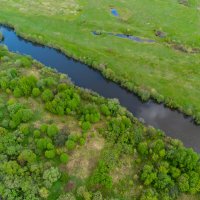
{"points": [[58, 141]]}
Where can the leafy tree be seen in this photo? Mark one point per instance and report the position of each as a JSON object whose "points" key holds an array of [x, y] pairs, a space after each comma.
{"points": [[36, 92], [50, 176], [52, 130], [50, 154], [85, 126], [47, 95], [143, 148], [64, 158], [101, 176], [27, 156], [44, 193], [68, 196], [70, 144], [148, 174], [183, 183]]}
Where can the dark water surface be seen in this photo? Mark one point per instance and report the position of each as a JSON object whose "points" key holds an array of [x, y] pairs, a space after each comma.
{"points": [[130, 37], [172, 122], [115, 12]]}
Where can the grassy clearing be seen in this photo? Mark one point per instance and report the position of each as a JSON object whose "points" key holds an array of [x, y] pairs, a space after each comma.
{"points": [[166, 70]]}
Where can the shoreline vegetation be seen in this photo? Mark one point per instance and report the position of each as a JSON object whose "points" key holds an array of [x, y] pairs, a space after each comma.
{"points": [[59, 141], [141, 91]]}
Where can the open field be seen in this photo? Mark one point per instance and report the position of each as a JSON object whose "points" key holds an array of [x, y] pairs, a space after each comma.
{"points": [[166, 70]]}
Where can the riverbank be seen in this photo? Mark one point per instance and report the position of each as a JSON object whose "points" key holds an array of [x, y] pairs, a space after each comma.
{"points": [[151, 70]]}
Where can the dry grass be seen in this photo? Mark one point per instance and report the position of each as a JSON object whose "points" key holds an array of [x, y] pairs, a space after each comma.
{"points": [[188, 197], [85, 158], [45, 7]]}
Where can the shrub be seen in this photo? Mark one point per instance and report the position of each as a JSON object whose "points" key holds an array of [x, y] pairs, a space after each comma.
{"points": [[52, 130], [70, 144], [50, 154], [85, 126], [36, 133], [44, 128], [36, 92], [47, 95], [64, 158]]}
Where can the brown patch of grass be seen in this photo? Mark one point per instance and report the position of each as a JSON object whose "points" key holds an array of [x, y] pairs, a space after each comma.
{"points": [[123, 170], [85, 158], [189, 197]]}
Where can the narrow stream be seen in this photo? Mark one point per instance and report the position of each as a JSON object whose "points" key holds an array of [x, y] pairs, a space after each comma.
{"points": [[172, 122]]}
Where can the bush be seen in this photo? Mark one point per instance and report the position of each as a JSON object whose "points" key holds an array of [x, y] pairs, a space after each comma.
{"points": [[47, 95], [64, 158], [36, 133], [44, 128], [52, 130], [50, 154], [70, 144], [85, 126], [36, 92]]}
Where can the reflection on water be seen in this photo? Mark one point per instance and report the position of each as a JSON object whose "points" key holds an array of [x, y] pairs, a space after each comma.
{"points": [[172, 122]]}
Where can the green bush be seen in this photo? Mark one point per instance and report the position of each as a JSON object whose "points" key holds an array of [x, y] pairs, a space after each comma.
{"points": [[64, 158], [36, 92], [50, 154], [52, 130], [70, 144]]}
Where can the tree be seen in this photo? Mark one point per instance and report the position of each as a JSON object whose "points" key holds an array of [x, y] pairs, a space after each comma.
{"points": [[64, 158], [149, 195], [27, 156], [70, 144], [68, 196], [183, 183], [36, 92], [50, 176], [44, 193], [143, 148], [50, 154], [148, 175], [47, 95], [101, 176], [52, 130], [85, 126]]}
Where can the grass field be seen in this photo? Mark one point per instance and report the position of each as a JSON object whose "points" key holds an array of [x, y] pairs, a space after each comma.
{"points": [[166, 70]]}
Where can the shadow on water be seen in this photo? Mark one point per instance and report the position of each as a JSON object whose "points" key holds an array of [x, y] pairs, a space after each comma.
{"points": [[172, 122]]}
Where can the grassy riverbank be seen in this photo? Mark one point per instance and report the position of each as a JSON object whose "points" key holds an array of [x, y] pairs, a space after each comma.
{"points": [[166, 70], [60, 142]]}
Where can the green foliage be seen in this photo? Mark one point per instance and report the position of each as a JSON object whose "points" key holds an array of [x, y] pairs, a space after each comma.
{"points": [[50, 176], [101, 176], [36, 92], [143, 148], [47, 95], [52, 130], [50, 154], [85, 126], [70, 144], [64, 158]]}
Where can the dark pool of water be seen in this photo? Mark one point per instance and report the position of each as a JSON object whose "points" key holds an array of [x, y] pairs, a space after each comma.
{"points": [[130, 37], [114, 12], [173, 123]]}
